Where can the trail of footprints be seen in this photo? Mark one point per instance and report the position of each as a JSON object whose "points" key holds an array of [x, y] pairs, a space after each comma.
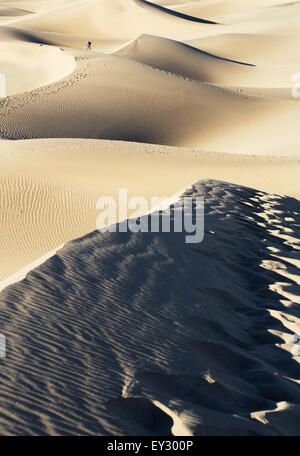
{"points": [[12, 103]]}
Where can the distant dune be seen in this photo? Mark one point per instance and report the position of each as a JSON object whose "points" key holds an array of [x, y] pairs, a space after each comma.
{"points": [[102, 19], [193, 63], [151, 106], [38, 65], [257, 49], [13, 12], [223, 9]]}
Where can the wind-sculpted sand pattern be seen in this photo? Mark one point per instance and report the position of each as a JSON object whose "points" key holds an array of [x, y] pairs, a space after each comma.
{"points": [[150, 105], [132, 334], [49, 188], [10, 104], [122, 333]]}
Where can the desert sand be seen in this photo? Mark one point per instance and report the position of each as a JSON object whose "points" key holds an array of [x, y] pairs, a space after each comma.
{"points": [[133, 330], [49, 188], [141, 333]]}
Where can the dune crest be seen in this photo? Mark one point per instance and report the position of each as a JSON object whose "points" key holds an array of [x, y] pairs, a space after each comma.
{"points": [[164, 108], [99, 352], [191, 331], [43, 206], [102, 19], [38, 65]]}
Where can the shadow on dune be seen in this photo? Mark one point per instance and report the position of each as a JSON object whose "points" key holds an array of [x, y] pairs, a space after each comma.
{"points": [[27, 35], [179, 58], [141, 414], [115, 321], [175, 13]]}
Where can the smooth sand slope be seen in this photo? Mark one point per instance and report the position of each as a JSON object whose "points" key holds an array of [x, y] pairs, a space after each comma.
{"points": [[193, 63], [27, 66], [9, 33], [34, 5], [49, 188], [243, 16], [224, 10], [268, 49], [147, 105], [13, 12], [125, 334], [114, 19], [7, 14]]}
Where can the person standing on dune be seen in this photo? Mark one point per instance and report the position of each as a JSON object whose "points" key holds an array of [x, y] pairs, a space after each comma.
{"points": [[89, 45]]}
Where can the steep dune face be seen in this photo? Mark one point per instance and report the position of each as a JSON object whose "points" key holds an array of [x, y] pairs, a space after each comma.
{"points": [[175, 57], [119, 331], [175, 13], [188, 61]]}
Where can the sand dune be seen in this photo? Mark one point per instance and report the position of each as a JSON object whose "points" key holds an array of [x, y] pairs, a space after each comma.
{"points": [[279, 19], [13, 12], [99, 354], [254, 48], [238, 16], [151, 106], [13, 34], [34, 5], [175, 57], [144, 334], [44, 205], [7, 14], [119, 19], [223, 10], [194, 63], [176, 13], [39, 65]]}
